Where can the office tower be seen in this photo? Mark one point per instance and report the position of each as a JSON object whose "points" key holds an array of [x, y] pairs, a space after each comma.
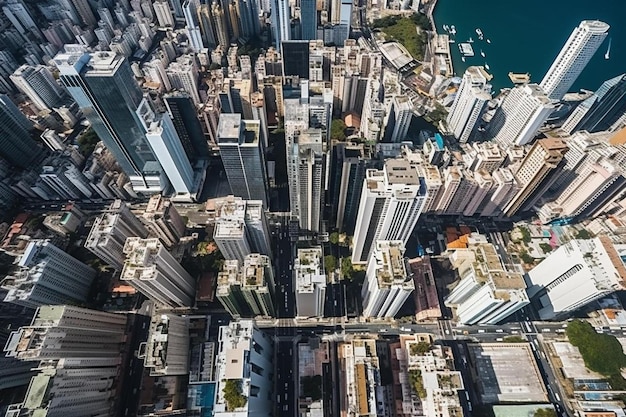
{"points": [[247, 290], [483, 185], [103, 85], [245, 360], [154, 272], [207, 27], [434, 184], [183, 113], [602, 110], [308, 19], [62, 175], [399, 119], [391, 203], [310, 282], [470, 103], [281, 21], [241, 228], [109, 233], [190, 10], [571, 61], [163, 221], [183, 75], [246, 15], [39, 85], [257, 105], [242, 156], [219, 22], [503, 189], [487, 293], [168, 150], [78, 353], [520, 116], [167, 347], [177, 8], [47, 275], [310, 178], [387, 284], [348, 165], [21, 19], [295, 55], [84, 11], [575, 274], [16, 144], [458, 189], [163, 13], [536, 173]]}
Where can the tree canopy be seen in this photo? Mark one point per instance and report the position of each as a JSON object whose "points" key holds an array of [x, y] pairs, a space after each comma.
{"points": [[232, 394]]}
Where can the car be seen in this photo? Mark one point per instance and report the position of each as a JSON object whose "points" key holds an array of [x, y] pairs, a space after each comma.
{"points": [[382, 331]]}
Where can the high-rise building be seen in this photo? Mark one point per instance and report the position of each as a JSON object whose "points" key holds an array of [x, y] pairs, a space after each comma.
{"points": [[85, 12], [387, 284], [167, 348], [63, 332], [399, 119], [503, 189], [109, 233], [39, 85], [183, 75], [79, 353], [308, 19], [246, 359], [163, 13], [242, 154], [536, 173], [310, 282], [183, 113], [575, 274], [281, 21], [163, 221], [48, 275], [168, 150], [16, 144], [219, 22], [103, 85], [348, 165], [487, 293], [311, 172], [247, 290], [391, 203], [522, 112], [295, 56], [241, 228], [190, 11], [571, 61], [470, 102], [602, 110], [154, 272]]}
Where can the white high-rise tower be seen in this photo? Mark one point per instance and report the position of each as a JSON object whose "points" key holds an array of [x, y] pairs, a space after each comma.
{"points": [[577, 52], [470, 101]]}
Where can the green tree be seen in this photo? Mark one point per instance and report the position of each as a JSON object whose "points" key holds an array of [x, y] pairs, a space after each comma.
{"points": [[338, 130], [526, 258], [233, 395], [545, 412], [420, 348], [583, 234], [514, 339], [330, 263], [87, 142], [334, 238], [545, 247], [346, 267]]}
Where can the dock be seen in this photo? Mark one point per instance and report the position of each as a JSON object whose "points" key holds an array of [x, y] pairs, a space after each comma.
{"points": [[518, 78], [440, 47]]}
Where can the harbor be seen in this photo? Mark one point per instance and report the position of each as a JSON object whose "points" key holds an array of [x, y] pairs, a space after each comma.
{"points": [[526, 42]]}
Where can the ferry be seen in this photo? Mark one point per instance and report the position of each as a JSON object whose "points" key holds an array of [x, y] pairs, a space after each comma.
{"points": [[452, 30], [479, 33], [482, 53]]}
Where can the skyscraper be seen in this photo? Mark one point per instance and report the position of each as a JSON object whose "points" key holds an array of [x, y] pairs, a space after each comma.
{"points": [[399, 120], [109, 233], [281, 21], [308, 19], [16, 144], [167, 348], [295, 56], [391, 203], [106, 91], [469, 104], [310, 179], [387, 285], [576, 53], [163, 221], [163, 13], [48, 275], [39, 85], [522, 112], [600, 111], [183, 113], [190, 10], [536, 173], [154, 272], [310, 282], [242, 155]]}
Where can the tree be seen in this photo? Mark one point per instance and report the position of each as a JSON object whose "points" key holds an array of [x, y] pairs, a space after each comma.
{"points": [[583, 234], [334, 238], [545, 247], [346, 267], [87, 142], [232, 394], [330, 263], [338, 130], [420, 348], [545, 412]]}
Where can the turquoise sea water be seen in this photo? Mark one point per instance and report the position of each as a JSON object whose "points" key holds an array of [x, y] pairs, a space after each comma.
{"points": [[527, 35]]}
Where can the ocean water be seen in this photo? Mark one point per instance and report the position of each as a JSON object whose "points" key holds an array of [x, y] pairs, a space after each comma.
{"points": [[527, 35]]}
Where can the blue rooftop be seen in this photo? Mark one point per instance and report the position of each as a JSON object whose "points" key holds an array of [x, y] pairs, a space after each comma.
{"points": [[439, 141]]}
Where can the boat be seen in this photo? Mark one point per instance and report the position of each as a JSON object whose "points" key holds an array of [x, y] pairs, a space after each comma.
{"points": [[466, 49], [451, 41], [488, 40], [446, 28], [453, 30], [482, 53], [463, 58], [479, 33], [487, 66], [470, 40], [608, 50]]}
